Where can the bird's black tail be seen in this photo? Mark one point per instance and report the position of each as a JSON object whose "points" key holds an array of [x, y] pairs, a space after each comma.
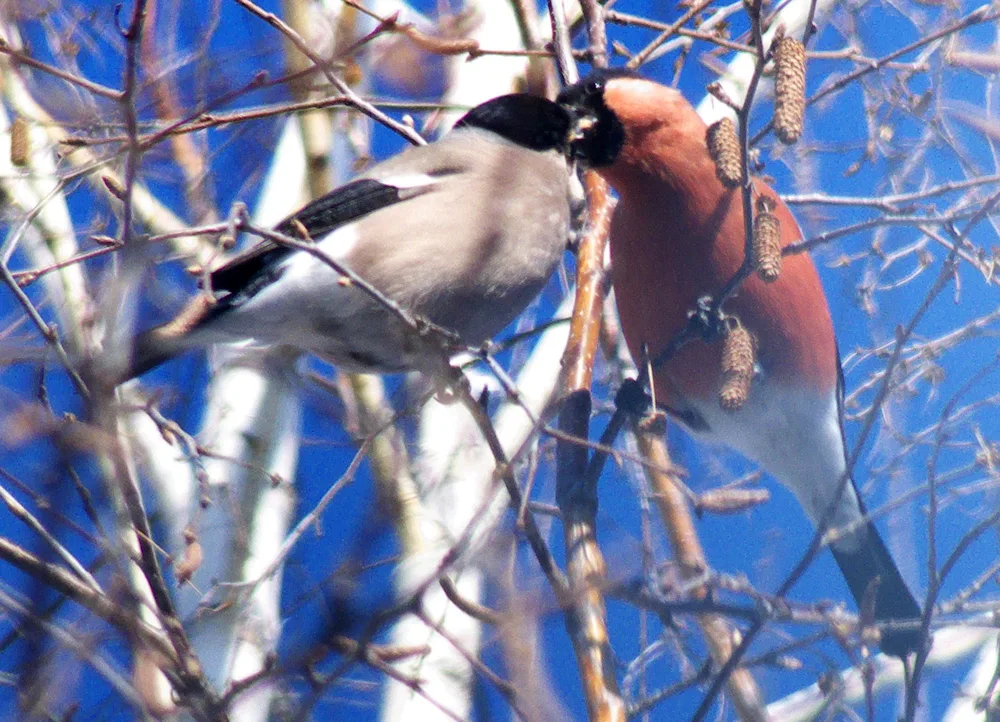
{"points": [[893, 601], [157, 345], [149, 350], [152, 348]]}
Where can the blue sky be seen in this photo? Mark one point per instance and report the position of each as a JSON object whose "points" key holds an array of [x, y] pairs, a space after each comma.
{"points": [[763, 543]]}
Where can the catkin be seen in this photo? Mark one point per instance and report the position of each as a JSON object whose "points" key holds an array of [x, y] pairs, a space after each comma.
{"points": [[738, 351], [734, 393], [724, 148], [789, 88], [737, 368], [731, 501], [19, 142], [766, 247]]}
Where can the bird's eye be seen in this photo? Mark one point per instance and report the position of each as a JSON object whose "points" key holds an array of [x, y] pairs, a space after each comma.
{"points": [[594, 86]]}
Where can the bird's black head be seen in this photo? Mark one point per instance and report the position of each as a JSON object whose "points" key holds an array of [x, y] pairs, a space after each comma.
{"points": [[527, 120], [601, 135], [539, 124]]}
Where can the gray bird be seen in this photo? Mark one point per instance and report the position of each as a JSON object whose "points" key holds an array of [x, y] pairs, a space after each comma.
{"points": [[463, 232]]}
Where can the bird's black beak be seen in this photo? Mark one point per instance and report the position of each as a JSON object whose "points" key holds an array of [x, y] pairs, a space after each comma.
{"points": [[597, 135], [582, 126], [581, 134], [594, 138]]}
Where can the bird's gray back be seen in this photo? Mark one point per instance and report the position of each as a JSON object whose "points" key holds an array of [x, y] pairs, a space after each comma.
{"points": [[497, 218]]}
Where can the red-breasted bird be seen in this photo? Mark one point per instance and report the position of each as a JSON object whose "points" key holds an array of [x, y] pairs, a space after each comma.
{"points": [[463, 232], [678, 236]]}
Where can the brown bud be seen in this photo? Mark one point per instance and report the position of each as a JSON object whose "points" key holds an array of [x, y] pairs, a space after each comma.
{"points": [[789, 88], [353, 73], [301, 230], [189, 563], [19, 142], [737, 368], [724, 147], [731, 501], [114, 187], [439, 45], [766, 247]]}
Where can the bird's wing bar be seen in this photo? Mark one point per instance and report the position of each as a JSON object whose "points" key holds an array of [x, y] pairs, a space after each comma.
{"points": [[343, 205]]}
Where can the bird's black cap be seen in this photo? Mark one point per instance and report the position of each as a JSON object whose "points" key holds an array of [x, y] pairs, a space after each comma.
{"points": [[527, 120], [602, 143], [590, 89], [579, 124]]}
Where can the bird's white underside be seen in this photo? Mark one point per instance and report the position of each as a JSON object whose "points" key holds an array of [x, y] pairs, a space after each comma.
{"points": [[794, 433]]}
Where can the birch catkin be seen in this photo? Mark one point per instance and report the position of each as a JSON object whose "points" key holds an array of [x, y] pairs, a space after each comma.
{"points": [[19, 142], [731, 501], [766, 246], [789, 88], [724, 148], [737, 368]]}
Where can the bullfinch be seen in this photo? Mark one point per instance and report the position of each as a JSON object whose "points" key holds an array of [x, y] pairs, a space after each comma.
{"points": [[678, 236], [463, 233]]}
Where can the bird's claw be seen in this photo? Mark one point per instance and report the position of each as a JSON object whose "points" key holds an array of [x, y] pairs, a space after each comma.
{"points": [[706, 320], [632, 398]]}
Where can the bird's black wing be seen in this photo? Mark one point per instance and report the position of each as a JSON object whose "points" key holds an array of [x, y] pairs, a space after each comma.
{"points": [[343, 205]]}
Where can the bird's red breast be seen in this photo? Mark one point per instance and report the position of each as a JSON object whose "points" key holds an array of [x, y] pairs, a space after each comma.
{"points": [[678, 234]]}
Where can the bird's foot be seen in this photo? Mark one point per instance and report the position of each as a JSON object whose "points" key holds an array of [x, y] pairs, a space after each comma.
{"points": [[450, 384], [633, 399], [707, 321]]}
